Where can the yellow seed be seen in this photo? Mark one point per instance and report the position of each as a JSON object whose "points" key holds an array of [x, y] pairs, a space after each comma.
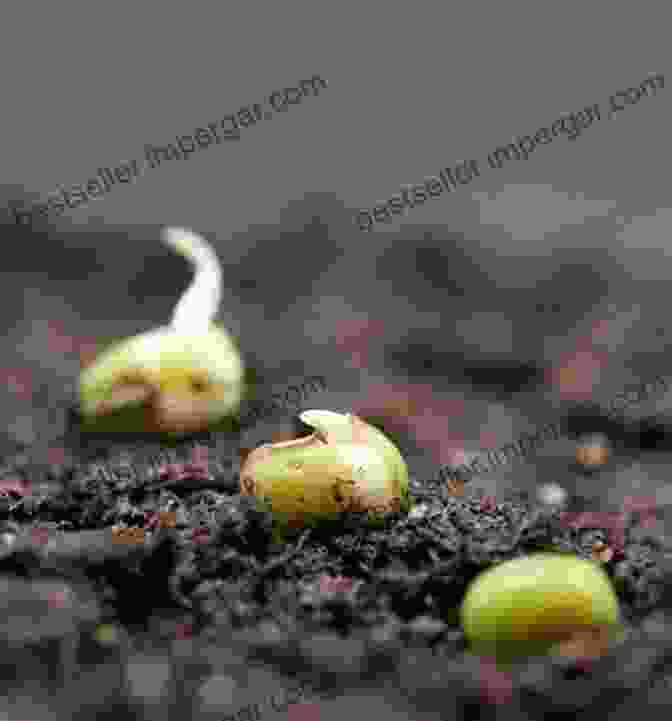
{"points": [[182, 376], [345, 465]]}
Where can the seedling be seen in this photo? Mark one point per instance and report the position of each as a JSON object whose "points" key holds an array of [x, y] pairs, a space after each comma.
{"points": [[346, 465], [183, 376]]}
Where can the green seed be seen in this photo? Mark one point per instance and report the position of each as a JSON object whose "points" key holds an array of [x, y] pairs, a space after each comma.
{"points": [[528, 605]]}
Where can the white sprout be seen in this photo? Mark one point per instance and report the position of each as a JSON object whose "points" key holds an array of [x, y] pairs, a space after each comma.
{"points": [[199, 303]]}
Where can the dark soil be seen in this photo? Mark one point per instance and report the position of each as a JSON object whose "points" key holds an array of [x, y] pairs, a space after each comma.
{"points": [[203, 626], [214, 598]]}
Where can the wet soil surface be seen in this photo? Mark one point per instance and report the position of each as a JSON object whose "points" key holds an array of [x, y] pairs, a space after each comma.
{"points": [[204, 617], [210, 620]]}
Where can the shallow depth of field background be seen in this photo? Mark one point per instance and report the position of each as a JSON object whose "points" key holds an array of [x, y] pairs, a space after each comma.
{"points": [[478, 293]]}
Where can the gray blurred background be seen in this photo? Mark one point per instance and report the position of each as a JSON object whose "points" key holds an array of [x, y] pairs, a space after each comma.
{"points": [[479, 293]]}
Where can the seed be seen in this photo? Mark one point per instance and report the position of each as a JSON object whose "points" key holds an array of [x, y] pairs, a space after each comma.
{"points": [[528, 605], [345, 466]]}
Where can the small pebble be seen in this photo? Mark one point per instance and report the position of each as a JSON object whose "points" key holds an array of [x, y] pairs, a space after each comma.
{"points": [[551, 494], [593, 452]]}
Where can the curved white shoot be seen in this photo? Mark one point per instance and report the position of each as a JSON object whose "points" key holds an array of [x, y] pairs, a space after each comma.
{"points": [[199, 303], [329, 424]]}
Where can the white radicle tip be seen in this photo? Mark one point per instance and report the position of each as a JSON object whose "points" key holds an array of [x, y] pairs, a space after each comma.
{"points": [[199, 303]]}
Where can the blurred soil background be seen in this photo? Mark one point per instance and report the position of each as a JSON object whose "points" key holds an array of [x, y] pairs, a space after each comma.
{"points": [[464, 331], [491, 331], [509, 304]]}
